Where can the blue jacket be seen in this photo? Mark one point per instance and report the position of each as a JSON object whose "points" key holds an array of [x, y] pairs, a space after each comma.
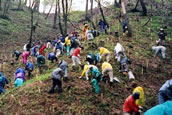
{"points": [[54, 42], [29, 65], [166, 85], [20, 70], [62, 39], [16, 53], [3, 81], [34, 49], [51, 55], [59, 46], [162, 109]]}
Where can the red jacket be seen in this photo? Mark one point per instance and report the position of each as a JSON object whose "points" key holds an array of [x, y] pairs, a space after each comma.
{"points": [[41, 50], [76, 52], [130, 105]]}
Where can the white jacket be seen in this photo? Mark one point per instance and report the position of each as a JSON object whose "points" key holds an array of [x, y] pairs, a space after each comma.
{"points": [[119, 48]]}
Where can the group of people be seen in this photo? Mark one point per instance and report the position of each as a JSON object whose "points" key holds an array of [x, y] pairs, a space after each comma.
{"points": [[36, 55]]}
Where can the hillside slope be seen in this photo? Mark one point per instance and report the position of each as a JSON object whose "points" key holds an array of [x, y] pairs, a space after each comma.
{"points": [[77, 98]]}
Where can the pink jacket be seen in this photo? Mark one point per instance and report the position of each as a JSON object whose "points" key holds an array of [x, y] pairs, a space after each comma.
{"points": [[24, 56]]}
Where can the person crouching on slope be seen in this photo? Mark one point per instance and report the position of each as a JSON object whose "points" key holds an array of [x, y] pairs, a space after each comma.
{"points": [[25, 56], [139, 89], [3, 82], [16, 54], [165, 92], [19, 77], [118, 51], [86, 71], [52, 57], [91, 59], [76, 56], [95, 78], [107, 68], [29, 67], [56, 77], [64, 66], [104, 52], [130, 105]]}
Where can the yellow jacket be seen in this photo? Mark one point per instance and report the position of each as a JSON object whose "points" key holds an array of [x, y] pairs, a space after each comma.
{"points": [[106, 65], [67, 41], [86, 67], [103, 50], [141, 100]]}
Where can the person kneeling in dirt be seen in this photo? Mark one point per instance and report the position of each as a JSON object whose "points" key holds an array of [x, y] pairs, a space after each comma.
{"points": [[165, 92], [29, 67], [19, 77], [104, 52], [40, 62], [16, 54], [86, 71], [124, 62], [91, 59], [118, 51], [3, 82], [52, 57], [130, 105], [64, 66], [159, 50], [96, 78], [107, 68], [56, 77], [76, 56]]}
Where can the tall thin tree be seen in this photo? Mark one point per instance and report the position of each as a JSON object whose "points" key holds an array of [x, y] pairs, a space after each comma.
{"points": [[59, 18], [86, 10], [55, 15]]}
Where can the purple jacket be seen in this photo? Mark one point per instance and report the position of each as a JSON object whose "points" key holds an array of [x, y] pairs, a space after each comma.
{"points": [[20, 75]]}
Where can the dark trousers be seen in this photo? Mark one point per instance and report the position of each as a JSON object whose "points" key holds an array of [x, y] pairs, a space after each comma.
{"points": [[58, 83]]}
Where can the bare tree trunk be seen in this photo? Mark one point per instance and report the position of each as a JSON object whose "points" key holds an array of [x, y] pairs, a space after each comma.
{"points": [[65, 11], [65, 21], [91, 1], [86, 10], [59, 16], [55, 16], [25, 2], [6, 7], [101, 10], [31, 30], [143, 7], [19, 5], [0, 5], [49, 10], [136, 4], [126, 18], [30, 3]]}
